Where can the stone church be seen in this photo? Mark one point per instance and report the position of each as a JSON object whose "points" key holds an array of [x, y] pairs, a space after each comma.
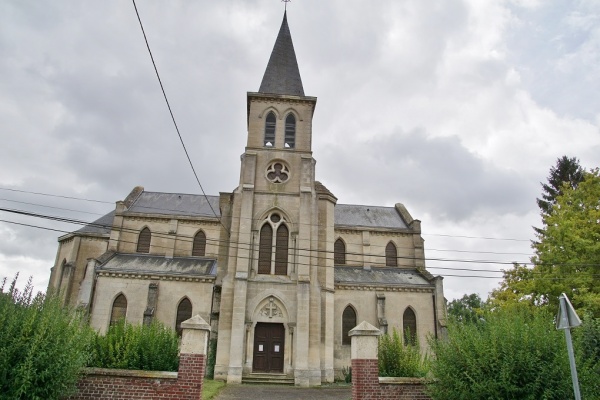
{"points": [[280, 269]]}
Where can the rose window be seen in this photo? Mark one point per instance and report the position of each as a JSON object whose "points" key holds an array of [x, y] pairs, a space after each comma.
{"points": [[278, 172]]}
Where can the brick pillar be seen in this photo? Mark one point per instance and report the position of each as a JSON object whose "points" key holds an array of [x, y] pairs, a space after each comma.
{"points": [[365, 369], [192, 358]]}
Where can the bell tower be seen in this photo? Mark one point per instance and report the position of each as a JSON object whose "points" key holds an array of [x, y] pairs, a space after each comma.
{"points": [[276, 237]]}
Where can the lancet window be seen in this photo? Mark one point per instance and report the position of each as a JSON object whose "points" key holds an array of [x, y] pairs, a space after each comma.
{"points": [[290, 132], [270, 123], [273, 250], [391, 255], [339, 252], [199, 246], [144, 238], [348, 322], [184, 312], [119, 309], [409, 325]]}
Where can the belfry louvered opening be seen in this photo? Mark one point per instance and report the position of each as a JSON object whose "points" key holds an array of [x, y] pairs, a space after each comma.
{"points": [[144, 239]]}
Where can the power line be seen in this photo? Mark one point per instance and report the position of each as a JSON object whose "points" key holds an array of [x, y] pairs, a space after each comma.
{"points": [[173, 116], [255, 219], [249, 246]]}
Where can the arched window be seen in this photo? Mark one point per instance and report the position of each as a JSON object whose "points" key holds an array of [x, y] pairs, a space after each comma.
{"points": [[265, 248], [391, 255], [143, 245], [409, 324], [281, 250], [348, 322], [290, 132], [199, 246], [339, 252], [270, 123], [119, 309], [184, 312]]}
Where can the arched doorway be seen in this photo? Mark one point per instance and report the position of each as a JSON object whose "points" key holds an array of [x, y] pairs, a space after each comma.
{"points": [[269, 345]]}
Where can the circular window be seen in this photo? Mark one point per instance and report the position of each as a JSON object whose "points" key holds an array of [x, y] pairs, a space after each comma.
{"points": [[275, 218], [278, 172]]}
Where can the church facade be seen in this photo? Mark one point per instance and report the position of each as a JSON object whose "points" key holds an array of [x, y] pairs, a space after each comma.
{"points": [[278, 267]]}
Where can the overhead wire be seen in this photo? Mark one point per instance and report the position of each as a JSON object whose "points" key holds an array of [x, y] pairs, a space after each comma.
{"points": [[173, 116]]}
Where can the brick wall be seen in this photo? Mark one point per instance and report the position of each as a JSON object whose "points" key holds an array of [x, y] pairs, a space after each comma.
{"points": [[366, 383], [186, 384], [124, 384]]}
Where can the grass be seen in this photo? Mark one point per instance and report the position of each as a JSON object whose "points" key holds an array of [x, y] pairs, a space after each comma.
{"points": [[211, 388]]}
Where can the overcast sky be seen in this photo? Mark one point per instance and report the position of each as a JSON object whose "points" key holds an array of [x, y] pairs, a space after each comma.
{"points": [[455, 108]]}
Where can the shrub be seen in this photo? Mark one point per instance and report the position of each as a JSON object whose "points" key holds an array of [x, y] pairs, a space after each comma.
{"points": [[211, 359], [127, 346], [397, 359], [510, 354], [43, 345], [586, 340]]}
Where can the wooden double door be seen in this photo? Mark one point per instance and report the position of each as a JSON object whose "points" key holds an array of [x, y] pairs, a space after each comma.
{"points": [[269, 341]]}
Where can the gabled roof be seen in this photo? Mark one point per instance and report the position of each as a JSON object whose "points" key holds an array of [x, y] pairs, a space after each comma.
{"points": [[176, 204], [282, 75], [100, 226]]}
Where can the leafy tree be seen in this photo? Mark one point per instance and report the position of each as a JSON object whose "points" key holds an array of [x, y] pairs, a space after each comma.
{"points": [[567, 256], [512, 354], [43, 346], [567, 171], [466, 309]]}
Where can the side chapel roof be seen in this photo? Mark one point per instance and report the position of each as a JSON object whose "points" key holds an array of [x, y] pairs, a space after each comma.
{"points": [[282, 75]]}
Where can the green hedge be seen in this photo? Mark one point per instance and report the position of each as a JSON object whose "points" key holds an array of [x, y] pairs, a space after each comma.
{"points": [[397, 359], [43, 345], [127, 346]]}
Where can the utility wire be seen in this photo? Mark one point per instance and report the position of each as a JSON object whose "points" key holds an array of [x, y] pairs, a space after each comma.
{"points": [[249, 246], [173, 117]]}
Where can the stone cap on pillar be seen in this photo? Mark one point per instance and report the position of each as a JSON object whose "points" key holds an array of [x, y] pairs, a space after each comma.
{"points": [[364, 329], [196, 323]]}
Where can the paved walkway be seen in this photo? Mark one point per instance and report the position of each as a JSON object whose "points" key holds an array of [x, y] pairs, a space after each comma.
{"points": [[276, 392]]}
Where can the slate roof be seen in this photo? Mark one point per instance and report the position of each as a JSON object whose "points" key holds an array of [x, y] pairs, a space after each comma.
{"points": [[368, 216], [380, 276], [159, 265], [100, 226], [282, 75], [176, 204]]}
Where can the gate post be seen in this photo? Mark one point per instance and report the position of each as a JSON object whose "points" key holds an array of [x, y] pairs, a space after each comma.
{"points": [[365, 368], [192, 359]]}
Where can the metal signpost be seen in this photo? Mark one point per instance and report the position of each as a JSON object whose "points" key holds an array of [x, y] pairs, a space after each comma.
{"points": [[567, 318]]}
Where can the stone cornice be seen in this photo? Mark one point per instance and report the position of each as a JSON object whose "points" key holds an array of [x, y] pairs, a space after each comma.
{"points": [[147, 276], [381, 288]]}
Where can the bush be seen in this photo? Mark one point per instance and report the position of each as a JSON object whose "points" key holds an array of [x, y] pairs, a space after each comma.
{"points": [[127, 346], [510, 354], [43, 345], [211, 359], [586, 340], [396, 359]]}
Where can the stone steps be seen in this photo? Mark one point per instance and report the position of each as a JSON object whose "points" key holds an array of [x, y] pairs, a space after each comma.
{"points": [[267, 379]]}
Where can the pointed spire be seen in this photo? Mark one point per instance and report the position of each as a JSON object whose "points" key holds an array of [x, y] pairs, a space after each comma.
{"points": [[282, 75]]}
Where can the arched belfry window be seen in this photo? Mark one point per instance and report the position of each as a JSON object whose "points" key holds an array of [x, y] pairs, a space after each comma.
{"points": [[184, 312], [199, 246], [348, 322], [119, 309], [339, 252], [409, 325], [290, 132], [143, 245], [270, 123], [391, 255], [273, 249]]}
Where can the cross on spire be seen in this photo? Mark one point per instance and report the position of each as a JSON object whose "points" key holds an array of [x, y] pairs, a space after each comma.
{"points": [[286, 1]]}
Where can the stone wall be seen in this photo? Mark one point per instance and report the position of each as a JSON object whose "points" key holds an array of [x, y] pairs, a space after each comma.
{"points": [[186, 384], [366, 383]]}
